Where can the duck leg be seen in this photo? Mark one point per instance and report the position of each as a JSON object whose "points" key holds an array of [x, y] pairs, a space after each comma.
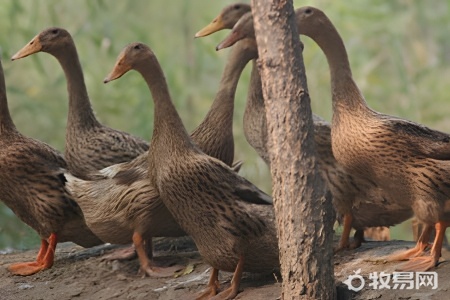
{"points": [[424, 263], [358, 239], [42, 252], [421, 245], [211, 289], [44, 259], [233, 290], [147, 266], [344, 240]]}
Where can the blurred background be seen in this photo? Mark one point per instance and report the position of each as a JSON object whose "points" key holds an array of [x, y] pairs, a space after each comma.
{"points": [[399, 52]]}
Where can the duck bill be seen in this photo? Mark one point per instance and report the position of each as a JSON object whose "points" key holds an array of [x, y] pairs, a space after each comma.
{"points": [[32, 47], [229, 41], [214, 26], [118, 71]]}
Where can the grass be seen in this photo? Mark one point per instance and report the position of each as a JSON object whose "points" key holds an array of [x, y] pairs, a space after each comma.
{"points": [[399, 52]]}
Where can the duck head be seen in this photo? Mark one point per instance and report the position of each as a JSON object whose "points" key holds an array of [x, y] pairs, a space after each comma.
{"points": [[242, 29], [129, 59], [311, 21], [50, 40], [226, 19]]}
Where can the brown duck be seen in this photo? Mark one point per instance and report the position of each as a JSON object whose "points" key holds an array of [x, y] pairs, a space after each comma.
{"points": [[121, 205], [33, 186], [210, 202], [406, 160], [90, 146], [255, 125], [347, 191]]}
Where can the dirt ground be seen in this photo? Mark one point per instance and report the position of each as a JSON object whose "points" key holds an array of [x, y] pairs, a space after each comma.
{"points": [[80, 273]]}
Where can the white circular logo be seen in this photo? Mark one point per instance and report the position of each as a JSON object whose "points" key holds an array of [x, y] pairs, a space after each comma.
{"points": [[349, 281]]}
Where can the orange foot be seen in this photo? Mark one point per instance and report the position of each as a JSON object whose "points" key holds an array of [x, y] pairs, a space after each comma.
{"points": [[229, 293], [418, 250], [43, 261], [26, 268], [408, 254], [213, 285], [158, 271], [425, 263], [127, 253], [207, 293], [419, 264]]}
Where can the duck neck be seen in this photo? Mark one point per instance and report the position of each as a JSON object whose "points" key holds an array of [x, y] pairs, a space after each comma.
{"points": [[255, 94], [6, 123], [221, 112], [80, 110], [169, 133], [219, 119], [345, 92]]}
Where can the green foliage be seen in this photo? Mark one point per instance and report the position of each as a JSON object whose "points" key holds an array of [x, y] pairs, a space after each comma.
{"points": [[399, 51]]}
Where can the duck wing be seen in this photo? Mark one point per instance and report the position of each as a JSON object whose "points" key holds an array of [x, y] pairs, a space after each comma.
{"points": [[422, 140], [240, 187]]}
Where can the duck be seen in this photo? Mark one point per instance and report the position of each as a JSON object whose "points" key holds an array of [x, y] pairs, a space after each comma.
{"points": [[33, 186], [254, 121], [121, 206], [408, 161], [347, 191], [230, 220], [90, 146]]}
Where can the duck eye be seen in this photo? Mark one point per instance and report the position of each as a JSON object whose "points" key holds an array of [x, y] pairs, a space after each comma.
{"points": [[137, 47], [55, 31], [237, 6], [308, 11]]}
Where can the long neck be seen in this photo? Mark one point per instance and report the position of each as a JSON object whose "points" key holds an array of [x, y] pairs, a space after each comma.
{"points": [[169, 133], [223, 106], [345, 92], [219, 120], [255, 96], [6, 123], [80, 110]]}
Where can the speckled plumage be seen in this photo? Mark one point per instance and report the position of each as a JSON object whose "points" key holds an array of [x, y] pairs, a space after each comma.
{"points": [[90, 146], [117, 189], [348, 191], [33, 185], [407, 161], [209, 201], [121, 200]]}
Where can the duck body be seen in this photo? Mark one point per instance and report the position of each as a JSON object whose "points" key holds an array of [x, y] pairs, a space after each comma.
{"points": [[418, 179], [101, 147], [120, 201], [213, 213], [407, 161], [121, 196], [33, 186], [349, 192], [204, 195], [42, 200]]}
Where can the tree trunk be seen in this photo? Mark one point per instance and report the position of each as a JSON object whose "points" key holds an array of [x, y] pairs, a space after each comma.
{"points": [[303, 207]]}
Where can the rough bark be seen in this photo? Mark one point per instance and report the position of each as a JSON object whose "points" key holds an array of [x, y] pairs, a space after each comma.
{"points": [[303, 207]]}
